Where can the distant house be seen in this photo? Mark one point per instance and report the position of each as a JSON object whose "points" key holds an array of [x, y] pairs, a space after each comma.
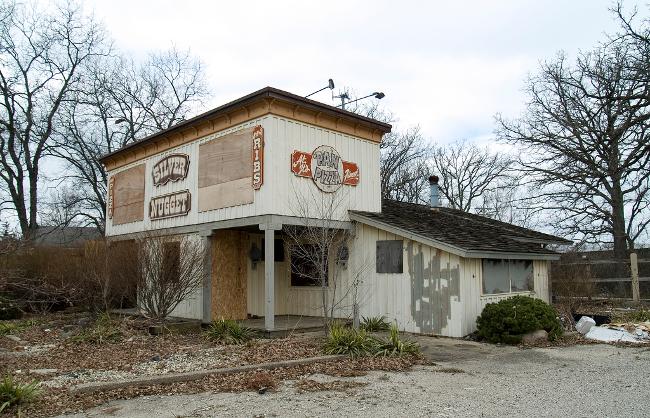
{"points": [[232, 179], [65, 236]]}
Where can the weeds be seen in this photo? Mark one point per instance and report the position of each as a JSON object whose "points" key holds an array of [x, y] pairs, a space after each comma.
{"points": [[227, 331], [13, 327], [104, 330], [374, 324], [640, 315], [17, 394]]}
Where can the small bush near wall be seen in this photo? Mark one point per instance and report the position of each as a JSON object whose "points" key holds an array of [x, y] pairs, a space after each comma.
{"points": [[508, 320]]}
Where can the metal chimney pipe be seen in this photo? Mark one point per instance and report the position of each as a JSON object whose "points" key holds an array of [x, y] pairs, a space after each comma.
{"points": [[434, 193]]}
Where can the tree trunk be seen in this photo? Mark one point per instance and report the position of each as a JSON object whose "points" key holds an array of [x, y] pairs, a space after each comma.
{"points": [[618, 222]]}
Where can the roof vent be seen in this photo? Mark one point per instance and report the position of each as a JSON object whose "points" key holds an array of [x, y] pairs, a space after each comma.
{"points": [[434, 196]]}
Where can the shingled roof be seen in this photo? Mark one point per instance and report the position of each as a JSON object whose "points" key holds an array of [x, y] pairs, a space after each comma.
{"points": [[458, 232]]}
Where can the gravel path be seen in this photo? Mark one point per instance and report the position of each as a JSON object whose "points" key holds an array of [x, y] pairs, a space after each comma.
{"points": [[581, 381]]}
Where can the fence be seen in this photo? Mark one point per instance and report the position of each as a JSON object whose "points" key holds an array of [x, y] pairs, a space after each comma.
{"points": [[596, 275]]}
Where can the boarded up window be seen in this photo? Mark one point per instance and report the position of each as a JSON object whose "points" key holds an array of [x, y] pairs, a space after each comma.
{"points": [[128, 195], [390, 256], [309, 266], [225, 171], [505, 276]]}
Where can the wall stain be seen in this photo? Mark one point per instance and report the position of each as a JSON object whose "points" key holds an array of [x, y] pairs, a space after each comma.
{"points": [[433, 288]]}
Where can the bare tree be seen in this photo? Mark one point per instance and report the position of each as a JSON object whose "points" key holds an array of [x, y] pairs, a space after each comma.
{"points": [[41, 56], [171, 270], [404, 166], [468, 173], [122, 101], [319, 251], [585, 145]]}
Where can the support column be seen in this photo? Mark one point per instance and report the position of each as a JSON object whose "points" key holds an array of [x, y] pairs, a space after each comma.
{"points": [[206, 241], [269, 274], [634, 270]]}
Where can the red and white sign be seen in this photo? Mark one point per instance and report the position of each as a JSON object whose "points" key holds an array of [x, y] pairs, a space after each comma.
{"points": [[325, 167], [258, 157], [110, 203]]}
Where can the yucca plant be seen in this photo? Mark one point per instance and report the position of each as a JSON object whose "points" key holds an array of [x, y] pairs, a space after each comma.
{"points": [[395, 346], [374, 324], [13, 393], [227, 331], [345, 340]]}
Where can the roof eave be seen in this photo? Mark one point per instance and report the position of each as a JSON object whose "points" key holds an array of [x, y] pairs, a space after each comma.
{"points": [[453, 249], [265, 93]]}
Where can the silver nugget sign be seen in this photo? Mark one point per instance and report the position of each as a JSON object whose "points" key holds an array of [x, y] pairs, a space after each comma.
{"points": [[170, 205], [173, 167]]}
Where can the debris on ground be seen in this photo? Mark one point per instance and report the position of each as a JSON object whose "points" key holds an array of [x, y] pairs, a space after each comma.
{"points": [[584, 324], [611, 333]]}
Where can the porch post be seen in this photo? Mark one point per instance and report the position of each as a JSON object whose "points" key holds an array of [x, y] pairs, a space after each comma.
{"points": [[269, 273], [206, 241]]}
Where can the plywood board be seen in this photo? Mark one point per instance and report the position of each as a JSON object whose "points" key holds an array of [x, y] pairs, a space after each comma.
{"points": [[232, 193], [225, 171], [229, 275], [128, 195]]}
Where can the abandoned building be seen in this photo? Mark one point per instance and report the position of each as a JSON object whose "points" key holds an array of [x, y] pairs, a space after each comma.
{"points": [[239, 176]]}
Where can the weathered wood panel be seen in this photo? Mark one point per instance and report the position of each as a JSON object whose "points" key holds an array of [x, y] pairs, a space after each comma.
{"points": [[128, 197], [281, 189], [229, 274], [225, 171]]}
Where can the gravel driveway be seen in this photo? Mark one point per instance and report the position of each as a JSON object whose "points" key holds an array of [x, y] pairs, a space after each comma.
{"points": [[469, 379]]}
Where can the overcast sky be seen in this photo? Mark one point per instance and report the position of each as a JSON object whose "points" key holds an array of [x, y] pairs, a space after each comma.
{"points": [[446, 66]]}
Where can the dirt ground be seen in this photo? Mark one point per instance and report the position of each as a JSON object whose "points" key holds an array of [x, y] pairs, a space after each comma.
{"points": [[468, 379]]}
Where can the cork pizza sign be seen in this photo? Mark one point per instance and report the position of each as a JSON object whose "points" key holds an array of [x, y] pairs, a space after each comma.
{"points": [[325, 167]]}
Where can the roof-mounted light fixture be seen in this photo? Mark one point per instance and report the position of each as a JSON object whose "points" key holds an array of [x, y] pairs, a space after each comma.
{"points": [[344, 96], [330, 85]]}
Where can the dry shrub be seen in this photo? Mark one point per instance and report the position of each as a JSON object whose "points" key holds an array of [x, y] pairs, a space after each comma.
{"points": [[571, 281], [109, 274], [41, 279], [99, 276]]}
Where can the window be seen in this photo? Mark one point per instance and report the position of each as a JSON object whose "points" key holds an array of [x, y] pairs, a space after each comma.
{"points": [[306, 262], [390, 257], [506, 276], [171, 261]]}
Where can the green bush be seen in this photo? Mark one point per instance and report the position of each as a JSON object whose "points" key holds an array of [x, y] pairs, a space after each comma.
{"points": [[227, 331], [509, 319], [16, 394], [374, 324]]}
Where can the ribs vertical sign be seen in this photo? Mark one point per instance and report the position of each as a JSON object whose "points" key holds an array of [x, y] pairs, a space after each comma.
{"points": [[258, 157]]}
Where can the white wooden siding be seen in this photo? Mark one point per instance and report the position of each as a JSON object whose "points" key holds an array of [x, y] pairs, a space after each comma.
{"points": [[281, 189]]}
